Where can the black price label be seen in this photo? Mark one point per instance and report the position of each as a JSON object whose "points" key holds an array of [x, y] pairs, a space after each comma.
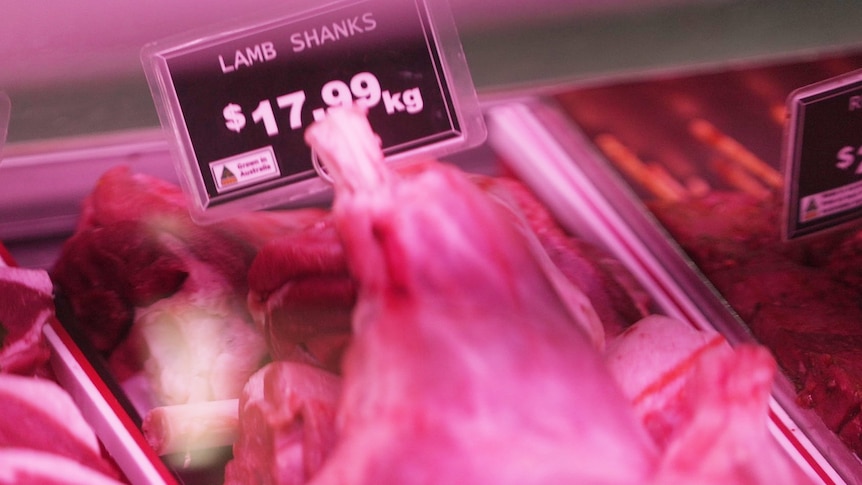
{"points": [[239, 101], [823, 156]]}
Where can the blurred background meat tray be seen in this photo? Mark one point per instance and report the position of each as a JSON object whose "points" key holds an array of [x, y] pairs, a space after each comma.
{"points": [[691, 162]]}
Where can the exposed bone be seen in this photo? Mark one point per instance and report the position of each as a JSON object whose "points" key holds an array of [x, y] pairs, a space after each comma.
{"points": [[188, 427]]}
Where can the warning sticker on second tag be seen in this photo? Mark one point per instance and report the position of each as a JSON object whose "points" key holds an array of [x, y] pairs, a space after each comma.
{"points": [[245, 169], [830, 202]]}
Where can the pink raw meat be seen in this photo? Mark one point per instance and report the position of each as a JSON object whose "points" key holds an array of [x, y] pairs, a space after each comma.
{"points": [[726, 438], [301, 295], [467, 366], [653, 361], [617, 297], [287, 425], [38, 418], [134, 245], [22, 465], [704, 403], [26, 305]]}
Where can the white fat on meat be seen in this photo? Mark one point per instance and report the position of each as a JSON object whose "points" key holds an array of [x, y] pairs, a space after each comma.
{"points": [[200, 344], [43, 399], [704, 403], [287, 425], [466, 365], [653, 360], [39, 415]]}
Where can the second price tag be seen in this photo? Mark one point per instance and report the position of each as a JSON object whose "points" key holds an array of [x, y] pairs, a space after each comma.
{"points": [[823, 156]]}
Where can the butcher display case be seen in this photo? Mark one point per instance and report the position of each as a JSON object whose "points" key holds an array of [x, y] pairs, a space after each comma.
{"points": [[639, 160], [544, 144]]}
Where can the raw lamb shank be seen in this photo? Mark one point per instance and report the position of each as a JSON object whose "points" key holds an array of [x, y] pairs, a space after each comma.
{"points": [[471, 362], [301, 294], [467, 363]]}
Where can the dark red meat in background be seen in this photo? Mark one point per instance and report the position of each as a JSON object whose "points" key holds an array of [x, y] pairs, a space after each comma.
{"points": [[801, 299]]}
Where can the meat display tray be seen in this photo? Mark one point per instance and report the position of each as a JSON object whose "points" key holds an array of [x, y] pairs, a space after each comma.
{"points": [[614, 148], [534, 140], [99, 405]]}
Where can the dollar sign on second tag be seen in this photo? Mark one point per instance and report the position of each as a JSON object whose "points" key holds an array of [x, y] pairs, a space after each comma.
{"points": [[234, 119]]}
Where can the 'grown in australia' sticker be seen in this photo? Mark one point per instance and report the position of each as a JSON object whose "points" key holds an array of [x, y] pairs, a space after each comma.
{"points": [[244, 169]]}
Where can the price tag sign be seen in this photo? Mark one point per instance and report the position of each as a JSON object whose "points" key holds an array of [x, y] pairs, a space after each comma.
{"points": [[238, 101], [823, 156]]}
